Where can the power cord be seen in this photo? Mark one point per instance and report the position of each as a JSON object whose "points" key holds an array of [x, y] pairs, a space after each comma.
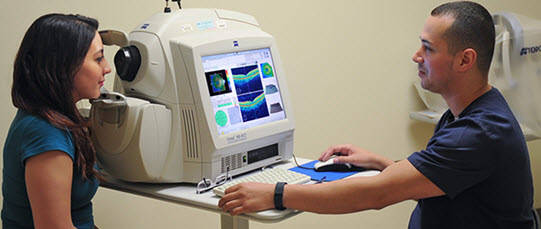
{"points": [[302, 167]]}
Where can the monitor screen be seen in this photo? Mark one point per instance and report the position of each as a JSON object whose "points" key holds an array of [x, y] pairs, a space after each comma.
{"points": [[243, 89]]}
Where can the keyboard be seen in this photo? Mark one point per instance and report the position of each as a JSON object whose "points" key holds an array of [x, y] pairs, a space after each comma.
{"points": [[269, 176]]}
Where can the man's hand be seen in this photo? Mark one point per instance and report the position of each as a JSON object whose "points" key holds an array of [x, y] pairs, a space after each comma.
{"points": [[356, 156], [247, 197]]}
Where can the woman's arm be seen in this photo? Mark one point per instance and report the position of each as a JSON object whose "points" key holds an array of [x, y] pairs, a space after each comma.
{"points": [[48, 179]]}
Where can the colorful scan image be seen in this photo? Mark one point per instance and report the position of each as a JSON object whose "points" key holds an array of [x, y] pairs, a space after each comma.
{"points": [[221, 118], [253, 106], [217, 82], [271, 89], [266, 68], [247, 79]]}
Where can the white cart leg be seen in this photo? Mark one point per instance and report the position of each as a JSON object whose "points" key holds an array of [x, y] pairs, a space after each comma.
{"points": [[231, 222]]}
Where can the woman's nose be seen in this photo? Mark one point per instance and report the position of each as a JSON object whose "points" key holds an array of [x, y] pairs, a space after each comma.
{"points": [[107, 68]]}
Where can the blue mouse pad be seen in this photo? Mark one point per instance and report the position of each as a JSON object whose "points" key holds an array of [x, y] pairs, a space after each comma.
{"points": [[329, 176]]}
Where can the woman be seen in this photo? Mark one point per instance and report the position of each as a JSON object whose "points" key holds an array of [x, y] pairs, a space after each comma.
{"points": [[49, 174]]}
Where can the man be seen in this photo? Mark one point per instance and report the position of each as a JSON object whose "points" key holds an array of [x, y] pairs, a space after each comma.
{"points": [[475, 171]]}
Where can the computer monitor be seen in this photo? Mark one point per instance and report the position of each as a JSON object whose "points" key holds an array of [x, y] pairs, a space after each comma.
{"points": [[209, 81], [243, 89]]}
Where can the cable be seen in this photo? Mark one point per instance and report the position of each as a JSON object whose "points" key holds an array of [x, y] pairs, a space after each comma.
{"points": [[167, 9], [178, 1], [302, 167]]}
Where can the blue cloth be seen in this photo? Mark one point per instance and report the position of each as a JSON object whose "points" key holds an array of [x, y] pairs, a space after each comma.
{"points": [[318, 176], [29, 136], [481, 162]]}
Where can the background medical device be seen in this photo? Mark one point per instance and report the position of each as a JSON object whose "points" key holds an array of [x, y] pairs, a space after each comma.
{"points": [[202, 92], [516, 66], [515, 71]]}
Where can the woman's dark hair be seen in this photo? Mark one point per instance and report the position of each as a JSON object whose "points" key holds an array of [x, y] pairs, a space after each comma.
{"points": [[51, 53]]}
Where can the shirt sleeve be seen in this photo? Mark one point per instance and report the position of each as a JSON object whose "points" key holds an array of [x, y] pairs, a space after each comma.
{"points": [[41, 136], [457, 157]]}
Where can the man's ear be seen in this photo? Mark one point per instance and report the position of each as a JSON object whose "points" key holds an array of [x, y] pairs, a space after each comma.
{"points": [[465, 59]]}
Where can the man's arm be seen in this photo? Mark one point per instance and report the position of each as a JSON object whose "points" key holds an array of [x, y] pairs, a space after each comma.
{"points": [[398, 182]]}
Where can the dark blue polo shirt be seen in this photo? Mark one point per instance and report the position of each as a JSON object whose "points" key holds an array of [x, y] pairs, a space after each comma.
{"points": [[481, 161]]}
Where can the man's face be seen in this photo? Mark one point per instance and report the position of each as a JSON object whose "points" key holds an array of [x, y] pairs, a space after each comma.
{"points": [[433, 57]]}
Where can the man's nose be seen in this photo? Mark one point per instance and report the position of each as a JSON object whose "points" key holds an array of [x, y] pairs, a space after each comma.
{"points": [[417, 58]]}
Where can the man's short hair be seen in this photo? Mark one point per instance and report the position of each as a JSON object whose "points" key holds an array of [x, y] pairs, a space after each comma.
{"points": [[473, 27]]}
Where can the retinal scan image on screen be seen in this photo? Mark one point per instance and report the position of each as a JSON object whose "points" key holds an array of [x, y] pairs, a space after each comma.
{"points": [[217, 82], [243, 89]]}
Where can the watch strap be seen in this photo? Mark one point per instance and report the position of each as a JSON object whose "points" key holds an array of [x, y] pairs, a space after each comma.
{"points": [[279, 196]]}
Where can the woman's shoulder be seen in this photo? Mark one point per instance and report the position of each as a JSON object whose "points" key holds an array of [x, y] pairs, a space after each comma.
{"points": [[33, 127], [29, 121], [36, 134]]}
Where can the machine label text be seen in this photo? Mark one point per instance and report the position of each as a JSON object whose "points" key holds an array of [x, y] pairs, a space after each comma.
{"points": [[530, 50], [237, 138]]}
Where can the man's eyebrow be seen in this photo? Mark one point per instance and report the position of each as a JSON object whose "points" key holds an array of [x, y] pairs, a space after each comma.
{"points": [[424, 40]]}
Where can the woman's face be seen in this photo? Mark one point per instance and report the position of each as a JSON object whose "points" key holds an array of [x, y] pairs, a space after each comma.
{"points": [[91, 75]]}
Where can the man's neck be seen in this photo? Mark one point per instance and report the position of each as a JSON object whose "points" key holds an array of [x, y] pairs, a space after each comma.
{"points": [[458, 101]]}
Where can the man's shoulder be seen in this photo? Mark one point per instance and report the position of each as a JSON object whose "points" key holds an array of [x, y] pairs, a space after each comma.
{"points": [[494, 117]]}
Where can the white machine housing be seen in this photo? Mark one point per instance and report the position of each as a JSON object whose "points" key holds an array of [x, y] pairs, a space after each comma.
{"points": [[163, 128], [516, 66]]}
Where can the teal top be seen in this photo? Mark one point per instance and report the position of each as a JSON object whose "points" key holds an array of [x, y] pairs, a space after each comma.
{"points": [[30, 135]]}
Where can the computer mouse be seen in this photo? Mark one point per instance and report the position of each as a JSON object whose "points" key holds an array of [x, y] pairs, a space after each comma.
{"points": [[329, 165]]}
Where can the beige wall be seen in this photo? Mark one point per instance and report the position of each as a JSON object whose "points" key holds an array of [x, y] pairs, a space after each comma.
{"points": [[349, 70]]}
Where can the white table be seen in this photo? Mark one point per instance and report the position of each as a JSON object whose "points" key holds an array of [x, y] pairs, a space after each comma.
{"points": [[184, 193]]}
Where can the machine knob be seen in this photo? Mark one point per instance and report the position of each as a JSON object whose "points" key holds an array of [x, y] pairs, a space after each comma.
{"points": [[127, 62]]}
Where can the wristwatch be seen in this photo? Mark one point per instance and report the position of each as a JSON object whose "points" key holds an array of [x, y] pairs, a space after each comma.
{"points": [[279, 196]]}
